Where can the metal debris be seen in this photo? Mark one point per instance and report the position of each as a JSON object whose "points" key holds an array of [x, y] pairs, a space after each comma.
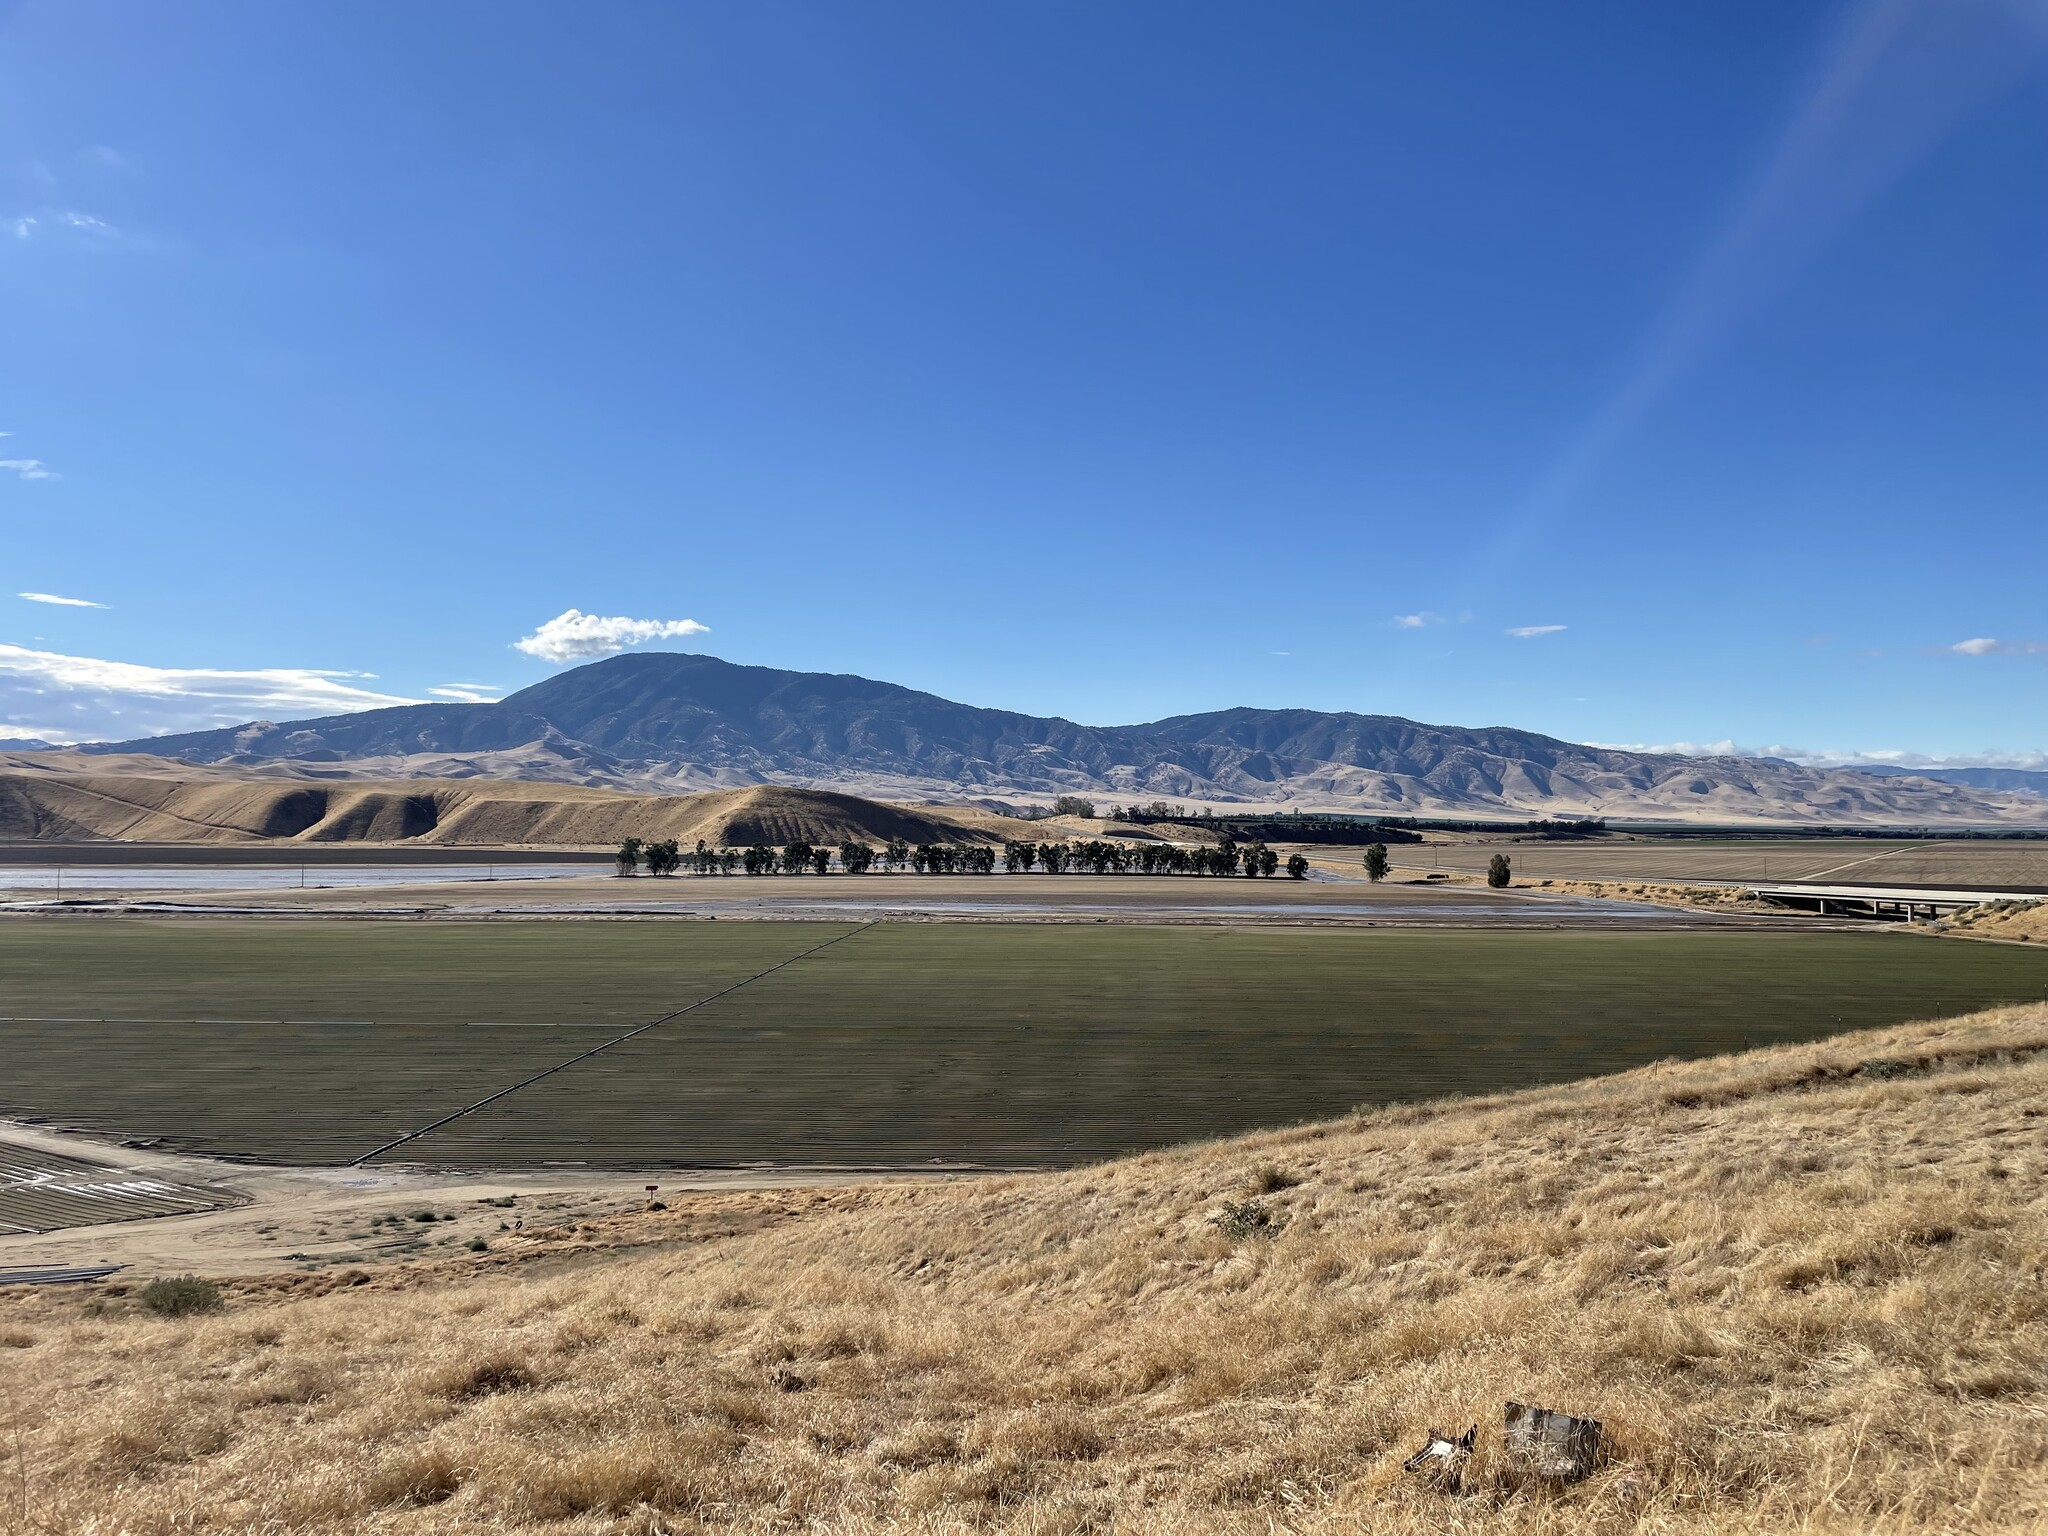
{"points": [[1441, 1463], [1557, 1447]]}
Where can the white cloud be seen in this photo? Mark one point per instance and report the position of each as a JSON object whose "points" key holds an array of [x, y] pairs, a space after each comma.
{"points": [[1984, 645], [1676, 748], [1536, 631], [61, 602], [572, 635], [30, 469], [25, 226], [1415, 620], [83, 698], [467, 693]]}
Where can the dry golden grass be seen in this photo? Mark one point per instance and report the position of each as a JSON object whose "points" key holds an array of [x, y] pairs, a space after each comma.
{"points": [[2024, 922], [1806, 1288], [1724, 898], [189, 805], [1663, 893]]}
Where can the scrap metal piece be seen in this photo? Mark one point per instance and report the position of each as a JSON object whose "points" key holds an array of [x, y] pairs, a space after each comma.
{"points": [[1558, 1447]]}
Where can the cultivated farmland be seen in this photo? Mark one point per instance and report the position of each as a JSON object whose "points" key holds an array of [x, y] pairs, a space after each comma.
{"points": [[319, 1041]]}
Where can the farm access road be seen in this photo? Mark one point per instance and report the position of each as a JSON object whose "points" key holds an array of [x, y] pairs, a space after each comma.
{"points": [[309, 1219]]}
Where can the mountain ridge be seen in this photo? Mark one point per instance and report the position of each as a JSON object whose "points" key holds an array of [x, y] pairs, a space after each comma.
{"points": [[670, 721]]}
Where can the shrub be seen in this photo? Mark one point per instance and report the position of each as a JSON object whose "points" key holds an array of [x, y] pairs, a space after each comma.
{"points": [[1246, 1218], [1270, 1178], [180, 1296], [486, 1378], [476, 1245]]}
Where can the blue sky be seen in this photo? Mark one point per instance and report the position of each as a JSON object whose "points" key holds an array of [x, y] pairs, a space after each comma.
{"points": [[1635, 373]]}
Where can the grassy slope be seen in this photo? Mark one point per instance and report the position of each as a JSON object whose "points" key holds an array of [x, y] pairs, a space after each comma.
{"points": [[1804, 1288], [2023, 922], [214, 808]]}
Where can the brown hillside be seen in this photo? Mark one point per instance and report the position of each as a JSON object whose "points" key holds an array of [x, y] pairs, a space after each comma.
{"points": [[214, 808], [1802, 1287]]}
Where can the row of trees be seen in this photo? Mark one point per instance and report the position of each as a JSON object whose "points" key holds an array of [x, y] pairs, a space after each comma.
{"points": [[856, 858], [1093, 857]]}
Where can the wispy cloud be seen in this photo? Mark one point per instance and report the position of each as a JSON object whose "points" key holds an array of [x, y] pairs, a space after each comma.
{"points": [[106, 158], [573, 635], [1536, 631], [30, 469], [85, 698], [61, 602], [1416, 620], [80, 226], [1984, 645], [467, 693]]}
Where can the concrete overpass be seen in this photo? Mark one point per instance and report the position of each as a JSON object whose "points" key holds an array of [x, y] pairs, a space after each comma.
{"points": [[1899, 901]]}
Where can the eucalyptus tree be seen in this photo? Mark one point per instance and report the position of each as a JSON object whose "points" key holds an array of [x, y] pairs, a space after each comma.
{"points": [[796, 857], [1297, 867], [821, 861], [1376, 863], [1019, 857], [628, 857], [856, 857]]}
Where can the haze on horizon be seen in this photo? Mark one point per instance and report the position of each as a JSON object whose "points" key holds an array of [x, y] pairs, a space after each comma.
{"points": [[1645, 376]]}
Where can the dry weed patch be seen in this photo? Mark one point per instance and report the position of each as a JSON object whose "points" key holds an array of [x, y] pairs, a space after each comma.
{"points": [[1804, 1289]]}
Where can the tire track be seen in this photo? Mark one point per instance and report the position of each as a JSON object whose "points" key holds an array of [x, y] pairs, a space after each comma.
{"points": [[598, 1050], [1889, 853]]}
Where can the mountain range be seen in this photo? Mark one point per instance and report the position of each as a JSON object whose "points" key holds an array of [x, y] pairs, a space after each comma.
{"points": [[2018, 781], [665, 721]]}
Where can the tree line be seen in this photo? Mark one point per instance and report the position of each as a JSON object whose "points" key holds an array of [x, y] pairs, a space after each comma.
{"points": [[1092, 857]]}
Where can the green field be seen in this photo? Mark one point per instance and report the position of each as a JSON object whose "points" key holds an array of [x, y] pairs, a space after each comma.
{"points": [[316, 1041]]}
